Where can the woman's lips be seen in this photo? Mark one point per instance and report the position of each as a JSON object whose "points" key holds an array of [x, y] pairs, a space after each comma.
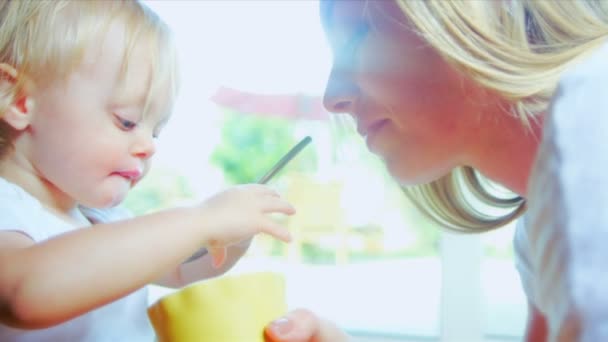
{"points": [[373, 130]]}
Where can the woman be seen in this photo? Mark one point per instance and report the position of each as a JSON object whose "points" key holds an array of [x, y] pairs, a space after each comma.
{"points": [[454, 97]]}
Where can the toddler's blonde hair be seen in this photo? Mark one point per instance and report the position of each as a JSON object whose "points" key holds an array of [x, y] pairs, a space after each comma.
{"points": [[45, 40]]}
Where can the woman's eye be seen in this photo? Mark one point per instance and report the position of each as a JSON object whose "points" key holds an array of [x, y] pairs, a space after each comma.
{"points": [[349, 49], [125, 124], [358, 37]]}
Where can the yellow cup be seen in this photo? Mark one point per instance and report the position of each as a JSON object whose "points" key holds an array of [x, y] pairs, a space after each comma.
{"points": [[225, 309]]}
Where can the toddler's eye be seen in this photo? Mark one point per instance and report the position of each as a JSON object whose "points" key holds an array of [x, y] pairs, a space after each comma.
{"points": [[125, 124]]}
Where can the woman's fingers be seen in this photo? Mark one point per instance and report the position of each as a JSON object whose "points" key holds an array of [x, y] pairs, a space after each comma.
{"points": [[303, 326], [297, 326]]}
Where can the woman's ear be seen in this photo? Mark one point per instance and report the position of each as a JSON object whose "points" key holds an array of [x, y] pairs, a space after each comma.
{"points": [[18, 113]]}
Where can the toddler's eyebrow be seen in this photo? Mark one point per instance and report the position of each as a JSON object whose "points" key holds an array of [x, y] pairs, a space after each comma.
{"points": [[125, 95], [135, 98]]}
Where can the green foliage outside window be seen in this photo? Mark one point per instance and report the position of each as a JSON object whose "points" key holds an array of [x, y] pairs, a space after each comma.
{"points": [[249, 146], [252, 144], [158, 190]]}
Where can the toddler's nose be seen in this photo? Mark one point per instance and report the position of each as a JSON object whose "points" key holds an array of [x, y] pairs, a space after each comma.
{"points": [[144, 146]]}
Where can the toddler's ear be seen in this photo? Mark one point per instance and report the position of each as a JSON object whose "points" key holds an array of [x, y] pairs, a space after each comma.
{"points": [[17, 114]]}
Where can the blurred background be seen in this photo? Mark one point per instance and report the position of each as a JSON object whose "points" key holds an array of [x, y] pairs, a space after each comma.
{"points": [[253, 74]]}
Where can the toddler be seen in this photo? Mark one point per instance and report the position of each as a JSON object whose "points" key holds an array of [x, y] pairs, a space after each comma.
{"points": [[85, 89]]}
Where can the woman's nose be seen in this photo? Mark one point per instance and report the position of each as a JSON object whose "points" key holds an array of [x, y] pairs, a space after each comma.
{"points": [[340, 93]]}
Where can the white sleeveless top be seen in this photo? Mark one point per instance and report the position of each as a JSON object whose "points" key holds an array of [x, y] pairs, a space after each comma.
{"points": [[122, 320], [562, 246]]}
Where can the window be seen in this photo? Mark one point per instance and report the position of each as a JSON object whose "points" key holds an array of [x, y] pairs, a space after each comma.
{"points": [[363, 256]]}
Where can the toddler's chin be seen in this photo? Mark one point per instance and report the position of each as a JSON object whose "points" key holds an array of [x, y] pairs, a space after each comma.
{"points": [[108, 200], [117, 199]]}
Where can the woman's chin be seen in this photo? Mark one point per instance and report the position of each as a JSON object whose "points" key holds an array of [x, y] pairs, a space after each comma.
{"points": [[408, 176]]}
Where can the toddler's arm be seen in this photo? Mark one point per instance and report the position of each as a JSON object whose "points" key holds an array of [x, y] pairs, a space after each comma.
{"points": [[47, 283], [203, 268]]}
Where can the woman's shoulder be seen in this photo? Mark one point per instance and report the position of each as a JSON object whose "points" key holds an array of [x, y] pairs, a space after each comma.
{"points": [[522, 258], [593, 65], [581, 96], [568, 192], [576, 129]]}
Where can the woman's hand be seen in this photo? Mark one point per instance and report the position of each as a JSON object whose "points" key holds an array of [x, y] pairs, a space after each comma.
{"points": [[303, 326]]}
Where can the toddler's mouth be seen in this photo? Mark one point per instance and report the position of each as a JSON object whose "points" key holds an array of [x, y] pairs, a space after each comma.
{"points": [[130, 175]]}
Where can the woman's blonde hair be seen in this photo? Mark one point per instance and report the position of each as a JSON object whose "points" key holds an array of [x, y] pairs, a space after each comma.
{"points": [[516, 48], [45, 40]]}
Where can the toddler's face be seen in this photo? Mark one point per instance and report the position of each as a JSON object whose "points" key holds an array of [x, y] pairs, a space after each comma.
{"points": [[89, 138]]}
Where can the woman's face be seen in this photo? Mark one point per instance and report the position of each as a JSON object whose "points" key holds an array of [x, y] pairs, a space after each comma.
{"points": [[413, 108]]}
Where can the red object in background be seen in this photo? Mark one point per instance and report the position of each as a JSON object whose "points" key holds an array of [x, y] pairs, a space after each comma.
{"points": [[291, 106]]}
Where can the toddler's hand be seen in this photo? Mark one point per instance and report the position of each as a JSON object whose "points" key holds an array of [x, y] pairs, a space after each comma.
{"points": [[239, 213], [218, 256]]}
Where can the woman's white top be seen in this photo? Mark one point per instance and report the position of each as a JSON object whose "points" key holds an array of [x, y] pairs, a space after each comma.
{"points": [[561, 246], [122, 320]]}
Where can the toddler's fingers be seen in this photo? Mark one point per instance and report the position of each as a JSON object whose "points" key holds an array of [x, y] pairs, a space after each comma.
{"points": [[276, 230], [263, 189], [277, 205], [218, 255]]}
